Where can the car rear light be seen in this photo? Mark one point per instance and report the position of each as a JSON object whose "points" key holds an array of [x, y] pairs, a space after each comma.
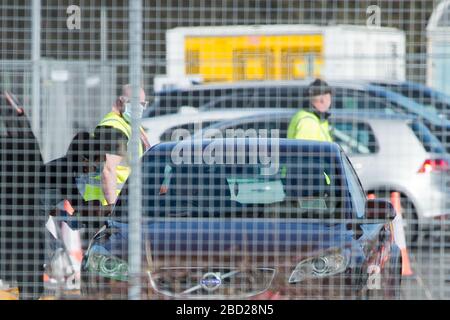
{"points": [[434, 165]]}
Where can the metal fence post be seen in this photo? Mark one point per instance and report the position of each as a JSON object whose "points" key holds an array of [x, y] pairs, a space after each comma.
{"points": [[135, 63], [36, 66]]}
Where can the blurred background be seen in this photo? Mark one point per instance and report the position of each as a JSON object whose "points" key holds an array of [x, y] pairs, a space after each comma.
{"points": [[212, 61]]}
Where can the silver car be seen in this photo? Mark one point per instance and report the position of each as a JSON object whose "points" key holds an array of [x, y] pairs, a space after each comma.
{"points": [[389, 152], [189, 119]]}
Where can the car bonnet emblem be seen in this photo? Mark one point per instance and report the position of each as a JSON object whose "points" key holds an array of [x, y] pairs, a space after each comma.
{"points": [[211, 281]]}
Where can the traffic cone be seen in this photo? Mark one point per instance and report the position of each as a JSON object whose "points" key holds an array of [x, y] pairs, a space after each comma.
{"points": [[399, 234], [68, 207]]}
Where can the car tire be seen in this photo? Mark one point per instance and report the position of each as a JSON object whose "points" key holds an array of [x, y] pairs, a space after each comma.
{"points": [[87, 290], [394, 280], [410, 222], [93, 286]]}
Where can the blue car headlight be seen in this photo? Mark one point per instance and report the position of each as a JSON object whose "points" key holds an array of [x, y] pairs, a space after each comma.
{"points": [[323, 265], [107, 266]]}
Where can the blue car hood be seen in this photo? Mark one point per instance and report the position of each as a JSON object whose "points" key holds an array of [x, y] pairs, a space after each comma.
{"points": [[230, 241]]}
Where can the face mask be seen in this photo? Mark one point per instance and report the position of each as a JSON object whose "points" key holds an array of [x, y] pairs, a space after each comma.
{"points": [[127, 113]]}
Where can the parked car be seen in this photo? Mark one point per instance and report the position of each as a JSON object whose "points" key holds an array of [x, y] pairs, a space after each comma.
{"points": [[234, 229], [348, 95], [389, 153], [190, 120], [434, 101]]}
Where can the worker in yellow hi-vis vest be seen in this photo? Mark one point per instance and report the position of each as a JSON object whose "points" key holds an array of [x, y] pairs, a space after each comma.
{"points": [[112, 135], [311, 123]]}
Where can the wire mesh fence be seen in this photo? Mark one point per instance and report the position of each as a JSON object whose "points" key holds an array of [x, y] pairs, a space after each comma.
{"points": [[176, 149]]}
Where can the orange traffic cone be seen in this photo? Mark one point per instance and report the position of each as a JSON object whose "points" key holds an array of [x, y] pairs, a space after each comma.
{"points": [[68, 207], [399, 234]]}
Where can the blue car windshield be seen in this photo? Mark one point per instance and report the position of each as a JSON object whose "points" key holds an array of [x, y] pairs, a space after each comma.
{"points": [[433, 101], [410, 105], [308, 186], [428, 140]]}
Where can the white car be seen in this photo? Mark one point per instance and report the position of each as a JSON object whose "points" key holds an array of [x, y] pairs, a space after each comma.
{"points": [[160, 129]]}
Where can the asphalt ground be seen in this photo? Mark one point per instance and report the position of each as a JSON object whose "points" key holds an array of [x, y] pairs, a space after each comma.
{"points": [[431, 274]]}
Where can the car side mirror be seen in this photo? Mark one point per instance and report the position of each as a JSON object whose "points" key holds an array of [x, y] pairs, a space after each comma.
{"points": [[378, 209]]}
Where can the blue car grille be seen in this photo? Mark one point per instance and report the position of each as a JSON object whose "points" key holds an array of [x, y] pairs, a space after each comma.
{"points": [[201, 283]]}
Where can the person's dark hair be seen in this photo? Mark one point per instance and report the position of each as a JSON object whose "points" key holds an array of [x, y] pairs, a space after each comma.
{"points": [[82, 147], [319, 87]]}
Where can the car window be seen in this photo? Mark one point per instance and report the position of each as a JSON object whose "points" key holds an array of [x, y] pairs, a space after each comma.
{"points": [[230, 102], [193, 128], [282, 97], [433, 103], [303, 186], [167, 104], [354, 137], [171, 102], [353, 100], [426, 98], [354, 185], [231, 98], [428, 140]]}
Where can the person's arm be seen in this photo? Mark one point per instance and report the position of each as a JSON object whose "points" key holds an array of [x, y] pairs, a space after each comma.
{"points": [[112, 148], [109, 177]]}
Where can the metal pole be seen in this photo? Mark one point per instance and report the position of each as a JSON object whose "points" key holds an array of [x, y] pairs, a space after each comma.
{"points": [[35, 59], [134, 222], [310, 65], [103, 55]]}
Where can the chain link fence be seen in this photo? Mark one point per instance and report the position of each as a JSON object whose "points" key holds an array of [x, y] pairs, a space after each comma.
{"points": [[234, 210]]}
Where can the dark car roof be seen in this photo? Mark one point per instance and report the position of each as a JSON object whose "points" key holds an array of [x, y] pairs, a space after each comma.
{"points": [[401, 83], [354, 115], [414, 86], [372, 115], [285, 144]]}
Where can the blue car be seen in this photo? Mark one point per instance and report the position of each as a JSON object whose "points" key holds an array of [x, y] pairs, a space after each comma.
{"points": [[244, 218], [434, 101], [403, 100]]}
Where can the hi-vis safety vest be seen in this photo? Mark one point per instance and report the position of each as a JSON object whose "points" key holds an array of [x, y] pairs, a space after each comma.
{"points": [[307, 126], [93, 186]]}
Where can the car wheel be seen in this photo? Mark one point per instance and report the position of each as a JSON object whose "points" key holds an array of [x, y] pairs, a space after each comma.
{"points": [[94, 287], [86, 288], [410, 223], [393, 280]]}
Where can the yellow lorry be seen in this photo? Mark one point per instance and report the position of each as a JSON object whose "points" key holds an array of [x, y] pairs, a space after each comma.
{"points": [[284, 52]]}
